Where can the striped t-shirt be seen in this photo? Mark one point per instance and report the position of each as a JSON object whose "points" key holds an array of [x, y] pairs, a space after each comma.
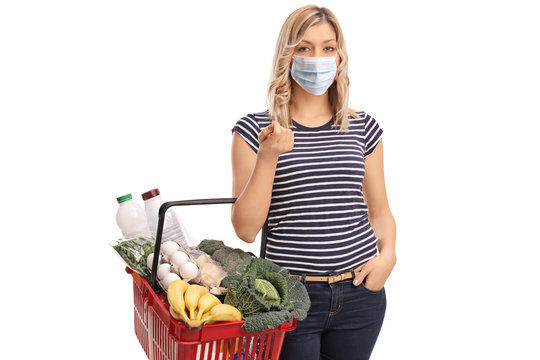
{"points": [[317, 221]]}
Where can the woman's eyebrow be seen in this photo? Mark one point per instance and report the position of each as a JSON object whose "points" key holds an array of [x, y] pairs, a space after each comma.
{"points": [[310, 43]]}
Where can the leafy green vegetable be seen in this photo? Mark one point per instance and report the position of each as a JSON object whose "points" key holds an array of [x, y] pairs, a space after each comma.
{"points": [[250, 291], [221, 255], [134, 252], [266, 291], [210, 246], [226, 257]]}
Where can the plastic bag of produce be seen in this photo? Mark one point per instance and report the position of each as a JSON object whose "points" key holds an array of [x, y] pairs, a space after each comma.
{"points": [[134, 252], [211, 274]]}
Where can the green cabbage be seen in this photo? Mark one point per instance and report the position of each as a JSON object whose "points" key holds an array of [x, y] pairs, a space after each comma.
{"points": [[265, 294], [266, 291]]}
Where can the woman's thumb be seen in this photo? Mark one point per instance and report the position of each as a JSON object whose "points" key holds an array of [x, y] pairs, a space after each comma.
{"points": [[265, 132], [360, 277], [277, 127]]}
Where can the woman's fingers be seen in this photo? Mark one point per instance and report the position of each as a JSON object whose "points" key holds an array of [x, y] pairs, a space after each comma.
{"points": [[265, 132], [277, 129], [276, 139], [360, 277]]}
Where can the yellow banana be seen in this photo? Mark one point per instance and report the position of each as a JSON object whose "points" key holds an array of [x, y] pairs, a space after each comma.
{"points": [[222, 312], [206, 302], [174, 313], [229, 347], [192, 296], [175, 295]]}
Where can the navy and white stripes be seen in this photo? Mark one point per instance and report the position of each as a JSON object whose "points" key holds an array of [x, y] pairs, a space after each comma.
{"points": [[318, 221]]}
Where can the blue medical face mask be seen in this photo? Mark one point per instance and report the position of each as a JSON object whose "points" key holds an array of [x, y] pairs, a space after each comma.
{"points": [[314, 74]]}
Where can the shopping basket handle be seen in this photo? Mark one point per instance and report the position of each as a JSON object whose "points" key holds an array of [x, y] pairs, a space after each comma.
{"points": [[161, 221]]}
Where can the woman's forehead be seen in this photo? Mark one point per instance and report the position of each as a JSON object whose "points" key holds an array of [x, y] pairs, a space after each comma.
{"points": [[319, 33]]}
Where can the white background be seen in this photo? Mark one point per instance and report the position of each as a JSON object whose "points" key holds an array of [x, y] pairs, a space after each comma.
{"points": [[102, 98]]}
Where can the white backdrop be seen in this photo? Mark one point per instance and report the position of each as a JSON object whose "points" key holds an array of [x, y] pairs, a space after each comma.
{"points": [[102, 98]]}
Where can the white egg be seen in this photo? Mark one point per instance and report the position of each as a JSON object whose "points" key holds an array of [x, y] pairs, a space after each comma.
{"points": [[188, 270], [150, 259], [169, 278], [175, 269], [169, 247], [163, 270], [164, 259], [179, 258]]}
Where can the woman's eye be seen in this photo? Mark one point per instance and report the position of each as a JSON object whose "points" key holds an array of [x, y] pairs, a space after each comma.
{"points": [[330, 48], [303, 47]]}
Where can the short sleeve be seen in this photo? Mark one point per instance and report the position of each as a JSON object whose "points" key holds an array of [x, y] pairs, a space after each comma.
{"points": [[373, 134], [249, 129]]}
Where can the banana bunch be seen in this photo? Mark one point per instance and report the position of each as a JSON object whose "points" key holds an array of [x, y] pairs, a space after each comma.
{"points": [[195, 306]]}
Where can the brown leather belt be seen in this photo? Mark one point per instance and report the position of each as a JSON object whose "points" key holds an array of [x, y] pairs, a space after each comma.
{"points": [[331, 278]]}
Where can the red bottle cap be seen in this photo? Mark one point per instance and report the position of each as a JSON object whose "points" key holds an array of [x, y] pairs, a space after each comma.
{"points": [[150, 194]]}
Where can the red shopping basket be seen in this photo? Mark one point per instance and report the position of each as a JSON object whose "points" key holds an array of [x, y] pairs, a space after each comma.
{"points": [[163, 338]]}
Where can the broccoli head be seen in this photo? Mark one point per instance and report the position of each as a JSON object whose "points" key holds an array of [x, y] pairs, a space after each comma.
{"points": [[210, 246], [220, 255], [244, 255], [231, 262], [227, 258]]}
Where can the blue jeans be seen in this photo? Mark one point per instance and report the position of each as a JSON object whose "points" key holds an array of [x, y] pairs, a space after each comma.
{"points": [[343, 323]]}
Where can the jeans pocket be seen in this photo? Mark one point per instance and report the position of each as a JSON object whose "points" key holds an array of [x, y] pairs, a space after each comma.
{"points": [[374, 292]]}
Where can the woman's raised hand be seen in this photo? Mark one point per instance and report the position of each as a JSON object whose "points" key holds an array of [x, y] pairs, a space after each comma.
{"points": [[275, 140]]}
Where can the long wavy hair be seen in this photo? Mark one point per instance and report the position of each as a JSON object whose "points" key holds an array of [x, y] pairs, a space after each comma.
{"points": [[280, 88]]}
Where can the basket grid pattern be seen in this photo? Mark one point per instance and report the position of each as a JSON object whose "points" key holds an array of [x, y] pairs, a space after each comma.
{"points": [[164, 339]]}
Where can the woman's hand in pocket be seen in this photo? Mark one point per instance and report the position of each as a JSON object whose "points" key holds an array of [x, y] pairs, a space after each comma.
{"points": [[376, 271]]}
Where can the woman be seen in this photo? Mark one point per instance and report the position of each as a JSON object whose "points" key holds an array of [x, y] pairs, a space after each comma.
{"points": [[315, 167]]}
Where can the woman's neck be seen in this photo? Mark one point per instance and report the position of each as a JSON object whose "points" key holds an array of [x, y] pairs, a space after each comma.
{"points": [[309, 110]]}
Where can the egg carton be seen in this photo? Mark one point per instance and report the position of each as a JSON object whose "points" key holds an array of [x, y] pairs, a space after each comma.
{"points": [[174, 263], [155, 283]]}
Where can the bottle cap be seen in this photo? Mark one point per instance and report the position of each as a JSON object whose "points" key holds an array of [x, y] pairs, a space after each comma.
{"points": [[150, 194], [123, 198]]}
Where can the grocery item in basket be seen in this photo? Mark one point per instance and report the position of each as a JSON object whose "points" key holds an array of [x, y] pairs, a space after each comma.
{"points": [[168, 279], [228, 258], [175, 295], [194, 305], [169, 248], [211, 274], [173, 229], [257, 300], [177, 258], [209, 246], [192, 296], [150, 261], [174, 259], [222, 312], [188, 270], [163, 270], [134, 252], [206, 302], [131, 218]]}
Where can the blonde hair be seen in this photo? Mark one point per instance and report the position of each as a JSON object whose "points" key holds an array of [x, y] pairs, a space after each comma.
{"points": [[280, 89]]}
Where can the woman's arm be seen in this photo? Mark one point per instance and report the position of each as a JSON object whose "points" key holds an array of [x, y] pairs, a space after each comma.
{"points": [[253, 178], [381, 220], [380, 217]]}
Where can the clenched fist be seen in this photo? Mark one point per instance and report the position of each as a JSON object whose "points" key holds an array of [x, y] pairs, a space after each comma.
{"points": [[275, 140]]}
